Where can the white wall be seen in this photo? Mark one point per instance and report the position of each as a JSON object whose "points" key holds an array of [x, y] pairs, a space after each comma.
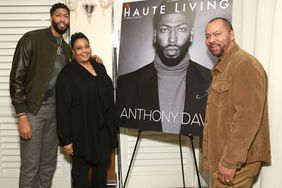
{"points": [[99, 31]]}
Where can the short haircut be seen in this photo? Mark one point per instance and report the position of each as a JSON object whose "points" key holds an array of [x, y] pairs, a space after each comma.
{"points": [[226, 22], [57, 6], [174, 7], [76, 36]]}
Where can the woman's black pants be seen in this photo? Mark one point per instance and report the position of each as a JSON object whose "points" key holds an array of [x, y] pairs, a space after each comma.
{"points": [[80, 172]]}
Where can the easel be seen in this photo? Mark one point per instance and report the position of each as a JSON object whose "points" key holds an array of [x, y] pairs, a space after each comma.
{"points": [[114, 74], [132, 157], [181, 156], [195, 160], [121, 185]]}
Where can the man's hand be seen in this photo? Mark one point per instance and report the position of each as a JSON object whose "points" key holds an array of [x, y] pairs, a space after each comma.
{"points": [[97, 59], [68, 149], [225, 175], [25, 129]]}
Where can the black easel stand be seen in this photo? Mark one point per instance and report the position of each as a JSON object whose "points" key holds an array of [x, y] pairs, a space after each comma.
{"points": [[181, 157], [115, 74], [119, 162], [195, 160], [132, 157]]}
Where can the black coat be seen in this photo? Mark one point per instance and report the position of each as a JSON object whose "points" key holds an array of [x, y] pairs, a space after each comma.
{"points": [[84, 109], [139, 90]]}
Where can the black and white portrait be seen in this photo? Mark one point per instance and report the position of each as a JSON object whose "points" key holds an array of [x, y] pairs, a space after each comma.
{"points": [[164, 66]]}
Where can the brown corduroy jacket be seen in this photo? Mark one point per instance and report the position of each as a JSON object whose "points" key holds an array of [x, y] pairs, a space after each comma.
{"points": [[236, 125]]}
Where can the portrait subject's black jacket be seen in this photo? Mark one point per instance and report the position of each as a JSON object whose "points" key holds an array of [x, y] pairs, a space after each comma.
{"points": [[137, 99]]}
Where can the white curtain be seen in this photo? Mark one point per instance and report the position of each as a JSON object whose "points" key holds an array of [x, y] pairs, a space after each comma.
{"points": [[258, 27]]}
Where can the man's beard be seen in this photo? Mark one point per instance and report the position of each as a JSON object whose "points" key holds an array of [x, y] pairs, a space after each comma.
{"points": [[58, 30], [173, 61], [222, 49], [220, 52]]}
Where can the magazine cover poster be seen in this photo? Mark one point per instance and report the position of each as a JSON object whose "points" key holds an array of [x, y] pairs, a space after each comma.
{"points": [[164, 65]]}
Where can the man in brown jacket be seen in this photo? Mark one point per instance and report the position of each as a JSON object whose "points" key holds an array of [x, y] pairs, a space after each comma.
{"points": [[236, 134]]}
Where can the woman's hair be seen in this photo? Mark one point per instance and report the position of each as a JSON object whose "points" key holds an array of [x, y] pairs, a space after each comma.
{"points": [[76, 36]]}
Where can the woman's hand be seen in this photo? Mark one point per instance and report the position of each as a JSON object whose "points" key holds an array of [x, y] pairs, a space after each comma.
{"points": [[68, 149]]}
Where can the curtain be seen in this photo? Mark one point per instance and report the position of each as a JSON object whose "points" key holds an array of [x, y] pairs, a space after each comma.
{"points": [[258, 28]]}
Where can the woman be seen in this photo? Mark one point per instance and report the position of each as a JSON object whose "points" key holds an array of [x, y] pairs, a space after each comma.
{"points": [[84, 107]]}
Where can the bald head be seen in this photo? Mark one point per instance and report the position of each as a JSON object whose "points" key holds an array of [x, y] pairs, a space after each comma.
{"points": [[226, 22]]}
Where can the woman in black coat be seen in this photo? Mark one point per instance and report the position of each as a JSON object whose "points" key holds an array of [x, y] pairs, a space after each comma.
{"points": [[84, 107]]}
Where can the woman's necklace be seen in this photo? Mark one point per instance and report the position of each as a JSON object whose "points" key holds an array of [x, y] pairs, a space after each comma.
{"points": [[60, 49]]}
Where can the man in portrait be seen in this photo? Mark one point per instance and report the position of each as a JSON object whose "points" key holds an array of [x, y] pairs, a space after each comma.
{"points": [[170, 93]]}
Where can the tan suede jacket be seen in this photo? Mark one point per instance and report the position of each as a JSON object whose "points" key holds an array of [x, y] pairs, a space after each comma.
{"points": [[236, 125]]}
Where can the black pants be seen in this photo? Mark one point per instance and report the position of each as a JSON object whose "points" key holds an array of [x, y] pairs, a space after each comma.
{"points": [[79, 172]]}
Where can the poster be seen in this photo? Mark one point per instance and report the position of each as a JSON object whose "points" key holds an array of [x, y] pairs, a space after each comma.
{"points": [[164, 65]]}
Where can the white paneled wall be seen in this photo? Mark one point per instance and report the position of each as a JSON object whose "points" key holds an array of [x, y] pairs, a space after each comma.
{"points": [[157, 162], [258, 29]]}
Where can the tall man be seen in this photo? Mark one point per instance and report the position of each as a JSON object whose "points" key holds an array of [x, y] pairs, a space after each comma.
{"points": [[236, 133], [38, 59], [168, 94]]}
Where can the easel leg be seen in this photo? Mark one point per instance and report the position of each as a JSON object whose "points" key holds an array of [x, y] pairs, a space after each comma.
{"points": [[132, 157], [119, 161], [114, 76], [181, 157], [195, 160]]}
